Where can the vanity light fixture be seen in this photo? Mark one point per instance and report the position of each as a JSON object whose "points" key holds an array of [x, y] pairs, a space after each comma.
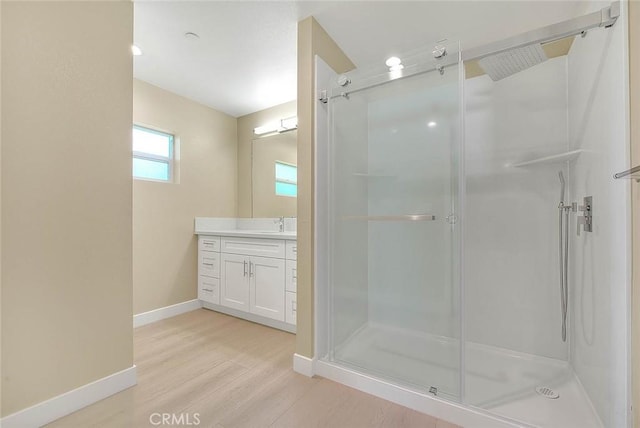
{"points": [[266, 129], [289, 124], [432, 124], [283, 125], [136, 51]]}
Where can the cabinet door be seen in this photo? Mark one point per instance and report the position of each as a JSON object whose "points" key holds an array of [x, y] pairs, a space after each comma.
{"points": [[234, 278], [267, 287]]}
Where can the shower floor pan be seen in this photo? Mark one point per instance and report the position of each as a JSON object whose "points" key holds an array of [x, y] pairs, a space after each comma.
{"points": [[499, 380]]}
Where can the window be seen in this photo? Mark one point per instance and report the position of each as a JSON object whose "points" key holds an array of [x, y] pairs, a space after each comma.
{"points": [[152, 154], [286, 179]]}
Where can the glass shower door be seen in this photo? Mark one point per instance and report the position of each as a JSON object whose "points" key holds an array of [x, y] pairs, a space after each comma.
{"points": [[394, 240]]}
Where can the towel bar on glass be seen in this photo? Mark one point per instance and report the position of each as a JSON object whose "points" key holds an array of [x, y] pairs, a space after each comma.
{"points": [[408, 217], [633, 173]]}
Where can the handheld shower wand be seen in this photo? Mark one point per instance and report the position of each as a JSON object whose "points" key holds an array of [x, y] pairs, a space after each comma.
{"points": [[563, 244]]}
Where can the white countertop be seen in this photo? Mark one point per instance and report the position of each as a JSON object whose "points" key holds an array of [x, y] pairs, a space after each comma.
{"points": [[266, 228], [249, 233]]}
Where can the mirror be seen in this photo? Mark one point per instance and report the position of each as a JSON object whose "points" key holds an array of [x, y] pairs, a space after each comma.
{"points": [[274, 183]]}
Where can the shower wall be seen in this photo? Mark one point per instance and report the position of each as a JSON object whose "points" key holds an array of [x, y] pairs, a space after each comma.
{"points": [[599, 278], [511, 271]]}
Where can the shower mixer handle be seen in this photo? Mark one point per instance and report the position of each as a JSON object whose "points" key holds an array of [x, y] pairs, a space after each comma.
{"points": [[585, 221], [581, 223]]}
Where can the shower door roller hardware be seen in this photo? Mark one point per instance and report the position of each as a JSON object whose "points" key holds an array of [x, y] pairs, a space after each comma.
{"points": [[586, 220], [452, 219], [439, 51], [343, 80], [323, 97]]}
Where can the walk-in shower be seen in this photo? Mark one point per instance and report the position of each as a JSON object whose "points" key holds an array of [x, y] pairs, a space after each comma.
{"points": [[441, 241]]}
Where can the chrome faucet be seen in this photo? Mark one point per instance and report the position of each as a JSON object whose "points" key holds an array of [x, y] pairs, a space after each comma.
{"points": [[280, 222]]}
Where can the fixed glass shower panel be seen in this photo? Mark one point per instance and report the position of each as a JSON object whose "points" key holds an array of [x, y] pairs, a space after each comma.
{"points": [[394, 283]]}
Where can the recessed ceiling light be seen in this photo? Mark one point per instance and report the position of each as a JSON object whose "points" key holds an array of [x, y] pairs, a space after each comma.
{"points": [[136, 51], [393, 61], [191, 36], [432, 124]]}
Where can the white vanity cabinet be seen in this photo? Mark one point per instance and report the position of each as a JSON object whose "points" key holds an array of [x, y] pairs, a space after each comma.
{"points": [[254, 277], [291, 285], [253, 284], [209, 269]]}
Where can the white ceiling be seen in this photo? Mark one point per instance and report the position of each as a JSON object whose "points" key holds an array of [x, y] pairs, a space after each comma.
{"points": [[245, 59]]}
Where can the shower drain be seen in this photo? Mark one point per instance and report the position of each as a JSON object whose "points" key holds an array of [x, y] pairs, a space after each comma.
{"points": [[547, 392]]}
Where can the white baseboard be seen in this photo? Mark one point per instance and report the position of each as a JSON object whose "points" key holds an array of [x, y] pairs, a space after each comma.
{"points": [[303, 365], [166, 312], [69, 402]]}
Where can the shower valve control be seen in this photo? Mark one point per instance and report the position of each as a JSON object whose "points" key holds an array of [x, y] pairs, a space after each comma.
{"points": [[585, 221]]}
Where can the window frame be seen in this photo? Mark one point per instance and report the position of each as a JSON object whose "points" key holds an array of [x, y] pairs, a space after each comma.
{"points": [[285, 181], [169, 161]]}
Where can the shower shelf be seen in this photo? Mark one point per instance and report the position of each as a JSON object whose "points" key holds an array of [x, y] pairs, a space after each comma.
{"points": [[406, 217], [560, 157]]}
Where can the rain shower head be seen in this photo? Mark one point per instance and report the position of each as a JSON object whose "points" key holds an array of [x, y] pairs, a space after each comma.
{"points": [[506, 63]]}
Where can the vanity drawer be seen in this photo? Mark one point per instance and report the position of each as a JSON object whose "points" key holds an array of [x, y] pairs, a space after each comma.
{"points": [[291, 275], [209, 263], [209, 243], [209, 289], [253, 247], [290, 308], [292, 250]]}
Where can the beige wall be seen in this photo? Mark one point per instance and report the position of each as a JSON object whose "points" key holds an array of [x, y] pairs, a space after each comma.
{"points": [[66, 197], [164, 246], [312, 40], [634, 73], [245, 137]]}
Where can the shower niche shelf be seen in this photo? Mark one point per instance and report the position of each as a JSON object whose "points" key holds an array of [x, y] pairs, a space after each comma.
{"points": [[560, 157]]}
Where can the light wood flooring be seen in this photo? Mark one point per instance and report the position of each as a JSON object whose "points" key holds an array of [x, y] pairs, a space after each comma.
{"points": [[233, 373]]}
